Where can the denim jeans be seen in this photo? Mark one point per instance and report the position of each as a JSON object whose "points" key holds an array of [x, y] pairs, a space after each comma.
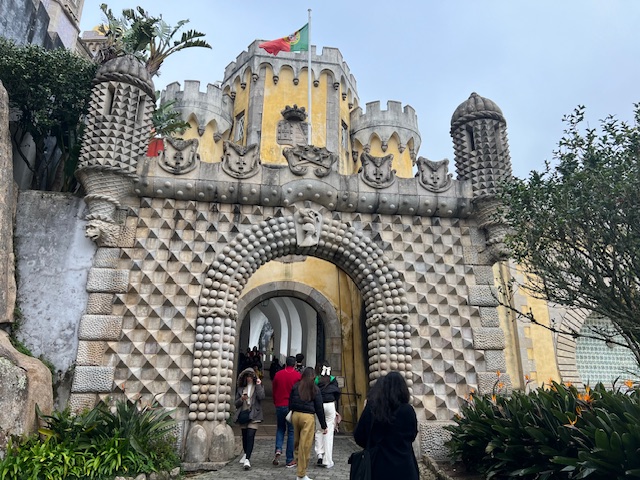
{"points": [[283, 425]]}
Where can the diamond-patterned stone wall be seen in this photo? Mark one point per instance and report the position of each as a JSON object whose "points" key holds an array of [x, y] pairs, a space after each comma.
{"points": [[441, 320]]}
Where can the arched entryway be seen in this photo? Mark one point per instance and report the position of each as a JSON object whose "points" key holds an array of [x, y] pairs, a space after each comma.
{"points": [[306, 232]]}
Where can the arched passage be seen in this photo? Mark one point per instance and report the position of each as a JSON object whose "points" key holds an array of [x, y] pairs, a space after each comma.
{"points": [[306, 232]]}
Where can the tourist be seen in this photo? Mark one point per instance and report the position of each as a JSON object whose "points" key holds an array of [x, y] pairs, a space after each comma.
{"points": [[388, 426], [249, 396], [330, 392], [304, 401], [274, 368], [300, 363], [283, 382]]}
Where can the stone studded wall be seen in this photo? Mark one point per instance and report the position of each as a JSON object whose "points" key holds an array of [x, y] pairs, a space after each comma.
{"points": [[144, 344]]}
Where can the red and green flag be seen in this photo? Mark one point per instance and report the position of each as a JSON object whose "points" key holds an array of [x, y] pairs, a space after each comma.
{"points": [[298, 41]]}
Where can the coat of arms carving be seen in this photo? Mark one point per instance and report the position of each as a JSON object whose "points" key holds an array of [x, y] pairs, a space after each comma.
{"points": [[179, 156], [434, 176], [303, 157], [240, 161], [376, 171]]}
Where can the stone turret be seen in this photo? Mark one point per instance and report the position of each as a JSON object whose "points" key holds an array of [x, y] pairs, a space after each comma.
{"points": [[479, 133], [396, 128], [209, 106], [116, 137]]}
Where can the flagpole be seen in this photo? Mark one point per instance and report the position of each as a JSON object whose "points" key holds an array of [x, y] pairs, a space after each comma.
{"points": [[309, 80]]}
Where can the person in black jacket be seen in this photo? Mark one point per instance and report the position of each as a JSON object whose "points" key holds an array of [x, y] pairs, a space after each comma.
{"points": [[387, 428], [304, 401], [330, 391]]}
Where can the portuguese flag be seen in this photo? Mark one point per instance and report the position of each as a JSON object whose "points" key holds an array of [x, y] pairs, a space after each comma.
{"points": [[298, 41]]}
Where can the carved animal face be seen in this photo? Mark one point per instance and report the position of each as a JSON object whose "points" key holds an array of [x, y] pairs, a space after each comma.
{"points": [[92, 232]]}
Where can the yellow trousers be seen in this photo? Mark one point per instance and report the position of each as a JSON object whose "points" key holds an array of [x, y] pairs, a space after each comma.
{"points": [[304, 425]]}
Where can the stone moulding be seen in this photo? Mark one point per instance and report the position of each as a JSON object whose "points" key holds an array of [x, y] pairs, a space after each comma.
{"points": [[179, 156], [376, 171], [278, 186], [434, 176], [240, 161], [303, 157]]}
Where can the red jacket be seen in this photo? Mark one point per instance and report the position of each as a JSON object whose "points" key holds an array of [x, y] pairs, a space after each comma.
{"points": [[282, 384]]}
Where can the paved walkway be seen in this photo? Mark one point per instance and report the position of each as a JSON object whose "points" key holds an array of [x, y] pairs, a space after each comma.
{"points": [[262, 469]]}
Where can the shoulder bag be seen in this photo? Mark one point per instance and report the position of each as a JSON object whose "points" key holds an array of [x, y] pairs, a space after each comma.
{"points": [[244, 417], [361, 461]]}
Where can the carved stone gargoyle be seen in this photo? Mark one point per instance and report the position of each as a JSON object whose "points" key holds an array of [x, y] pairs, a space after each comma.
{"points": [[301, 157], [239, 161], [179, 156], [434, 176], [376, 171]]}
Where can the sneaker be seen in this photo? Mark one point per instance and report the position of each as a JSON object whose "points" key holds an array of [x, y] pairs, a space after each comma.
{"points": [[276, 459], [304, 478], [319, 460], [243, 458], [247, 464], [292, 464]]}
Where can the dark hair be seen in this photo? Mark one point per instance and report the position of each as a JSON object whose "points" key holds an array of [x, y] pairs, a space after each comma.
{"points": [[306, 386], [290, 361], [299, 358], [322, 379], [242, 381], [387, 395]]}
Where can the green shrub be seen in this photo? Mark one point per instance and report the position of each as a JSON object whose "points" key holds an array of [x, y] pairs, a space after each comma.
{"points": [[98, 444], [556, 432]]}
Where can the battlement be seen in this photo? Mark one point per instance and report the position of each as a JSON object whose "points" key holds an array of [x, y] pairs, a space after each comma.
{"points": [[209, 105], [384, 123], [330, 59]]}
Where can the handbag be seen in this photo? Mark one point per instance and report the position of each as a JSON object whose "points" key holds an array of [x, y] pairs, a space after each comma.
{"points": [[360, 465], [244, 417], [361, 461]]}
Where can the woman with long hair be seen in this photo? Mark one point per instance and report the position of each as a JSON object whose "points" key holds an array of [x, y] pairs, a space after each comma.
{"points": [[304, 401], [330, 392], [387, 428], [249, 396]]}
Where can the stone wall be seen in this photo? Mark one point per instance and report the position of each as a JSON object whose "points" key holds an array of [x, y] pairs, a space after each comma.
{"points": [[26, 21], [53, 259]]}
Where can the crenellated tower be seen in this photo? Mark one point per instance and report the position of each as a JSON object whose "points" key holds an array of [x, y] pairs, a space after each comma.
{"points": [[210, 114], [383, 132], [118, 129], [479, 133]]}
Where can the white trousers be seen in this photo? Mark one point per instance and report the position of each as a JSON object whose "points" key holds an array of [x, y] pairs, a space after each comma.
{"points": [[324, 443]]}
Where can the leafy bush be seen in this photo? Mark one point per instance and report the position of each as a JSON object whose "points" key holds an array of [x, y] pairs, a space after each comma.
{"points": [[98, 444], [555, 432]]}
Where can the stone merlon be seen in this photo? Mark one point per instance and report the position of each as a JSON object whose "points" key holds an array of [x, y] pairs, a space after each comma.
{"points": [[330, 60], [212, 105], [402, 122]]}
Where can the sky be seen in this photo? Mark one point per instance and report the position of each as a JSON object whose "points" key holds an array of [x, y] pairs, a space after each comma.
{"points": [[537, 60]]}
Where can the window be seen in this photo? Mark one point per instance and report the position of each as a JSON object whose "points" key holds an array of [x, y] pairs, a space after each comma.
{"points": [[239, 132], [345, 137], [108, 99]]}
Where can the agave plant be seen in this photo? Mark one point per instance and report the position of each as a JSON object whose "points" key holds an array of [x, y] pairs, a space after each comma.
{"points": [[151, 39]]}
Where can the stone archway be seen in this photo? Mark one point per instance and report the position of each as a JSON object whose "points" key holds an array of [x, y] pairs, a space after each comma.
{"points": [[306, 232], [313, 297]]}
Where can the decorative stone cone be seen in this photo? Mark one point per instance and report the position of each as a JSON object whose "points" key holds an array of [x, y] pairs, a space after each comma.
{"points": [[105, 190]]}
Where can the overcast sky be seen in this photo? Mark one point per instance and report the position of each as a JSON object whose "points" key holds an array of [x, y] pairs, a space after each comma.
{"points": [[537, 60]]}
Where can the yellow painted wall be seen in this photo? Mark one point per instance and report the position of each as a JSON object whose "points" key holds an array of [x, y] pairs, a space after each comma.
{"points": [[209, 150], [276, 97], [533, 345], [345, 297]]}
